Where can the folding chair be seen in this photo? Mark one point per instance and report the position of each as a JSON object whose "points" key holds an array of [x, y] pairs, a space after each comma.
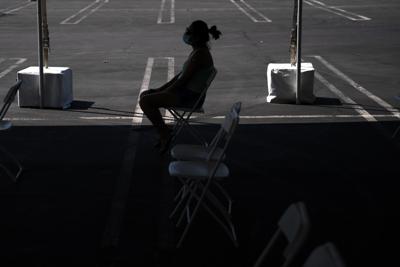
{"points": [[293, 228], [182, 114], [197, 176], [200, 152], [325, 256], [5, 125]]}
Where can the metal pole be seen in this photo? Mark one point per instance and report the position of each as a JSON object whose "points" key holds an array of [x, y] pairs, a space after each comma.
{"points": [[298, 76], [46, 38], [40, 48], [293, 36]]}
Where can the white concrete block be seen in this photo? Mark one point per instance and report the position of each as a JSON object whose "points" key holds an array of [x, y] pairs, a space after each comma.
{"points": [[282, 83], [58, 87]]}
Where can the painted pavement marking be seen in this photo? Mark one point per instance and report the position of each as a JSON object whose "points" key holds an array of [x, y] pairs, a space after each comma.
{"points": [[250, 11], [336, 10], [164, 9], [85, 12], [16, 7], [18, 61]]}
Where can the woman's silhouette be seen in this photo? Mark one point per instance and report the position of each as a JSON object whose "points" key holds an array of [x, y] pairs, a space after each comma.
{"points": [[185, 88]]}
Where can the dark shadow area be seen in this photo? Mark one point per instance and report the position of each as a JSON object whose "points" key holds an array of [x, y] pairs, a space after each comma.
{"points": [[80, 104], [55, 214], [327, 101], [346, 173], [87, 107], [5, 14], [118, 111]]}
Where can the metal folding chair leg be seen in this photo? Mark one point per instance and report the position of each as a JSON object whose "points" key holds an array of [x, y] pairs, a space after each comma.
{"points": [[396, 132], [230, 229], [226, 195], [186, 209], [181, 122], [9, 173], [187, 189], [182, 194]]}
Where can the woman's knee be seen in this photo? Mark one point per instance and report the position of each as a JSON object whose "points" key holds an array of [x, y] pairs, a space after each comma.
{"points": [[144, 102], [148, 101], [142, 94], [147, 92]]}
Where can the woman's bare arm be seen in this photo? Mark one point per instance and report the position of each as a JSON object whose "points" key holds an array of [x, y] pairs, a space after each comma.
{"points": [[169, 83]]}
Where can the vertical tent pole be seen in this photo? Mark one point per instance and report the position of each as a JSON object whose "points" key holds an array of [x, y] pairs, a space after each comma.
{"points": [[298, 76], [40, 48], [293, 36], [45, 32]]}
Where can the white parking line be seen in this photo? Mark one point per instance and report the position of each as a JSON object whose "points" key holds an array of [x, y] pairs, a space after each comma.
{"points": [[145, 86], [318, 116], [250, 9], [81, 14], [365, 114], [171, 13], [171, 74], [336, 10], [247, 117], [17, 7], [358, 87], [13, 66]]}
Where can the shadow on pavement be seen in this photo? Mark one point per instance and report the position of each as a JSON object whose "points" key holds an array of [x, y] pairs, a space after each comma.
{"points": [[346, 173]]}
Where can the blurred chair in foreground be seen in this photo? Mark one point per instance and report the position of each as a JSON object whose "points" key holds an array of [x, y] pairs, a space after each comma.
{"points": [[5, 125], [325, 255], [289, 238]]}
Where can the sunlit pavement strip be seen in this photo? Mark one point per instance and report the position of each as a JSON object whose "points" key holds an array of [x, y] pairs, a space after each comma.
{"points": [[17, 62], [250, 11], [358, 87], [16, 7], [336, 10], [84, 12], [163, 10]]}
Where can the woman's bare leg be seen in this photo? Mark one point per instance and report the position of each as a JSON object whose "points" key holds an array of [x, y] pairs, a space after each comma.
{"points": [[151, 103]]}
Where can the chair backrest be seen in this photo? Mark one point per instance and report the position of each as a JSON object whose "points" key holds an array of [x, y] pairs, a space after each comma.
{"points": [[293, 227], [9, 98], [213, 73], [225, 132], [325, 255]]}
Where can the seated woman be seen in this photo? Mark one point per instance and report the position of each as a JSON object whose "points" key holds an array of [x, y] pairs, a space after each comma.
{"points": [[185, 88]]}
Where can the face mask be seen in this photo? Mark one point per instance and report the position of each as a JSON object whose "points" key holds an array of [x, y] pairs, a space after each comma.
{"points": [[186, 39]]}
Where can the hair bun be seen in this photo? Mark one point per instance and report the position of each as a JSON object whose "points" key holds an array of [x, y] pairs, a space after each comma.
{"points": [[215, 33]]}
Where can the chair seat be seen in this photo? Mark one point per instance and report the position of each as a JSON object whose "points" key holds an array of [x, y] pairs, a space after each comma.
{"points": [[196, 169], [5, 125], [193, 152]]}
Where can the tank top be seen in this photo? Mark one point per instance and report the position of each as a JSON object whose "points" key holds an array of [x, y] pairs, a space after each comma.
{"points": [[200, 77]]}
